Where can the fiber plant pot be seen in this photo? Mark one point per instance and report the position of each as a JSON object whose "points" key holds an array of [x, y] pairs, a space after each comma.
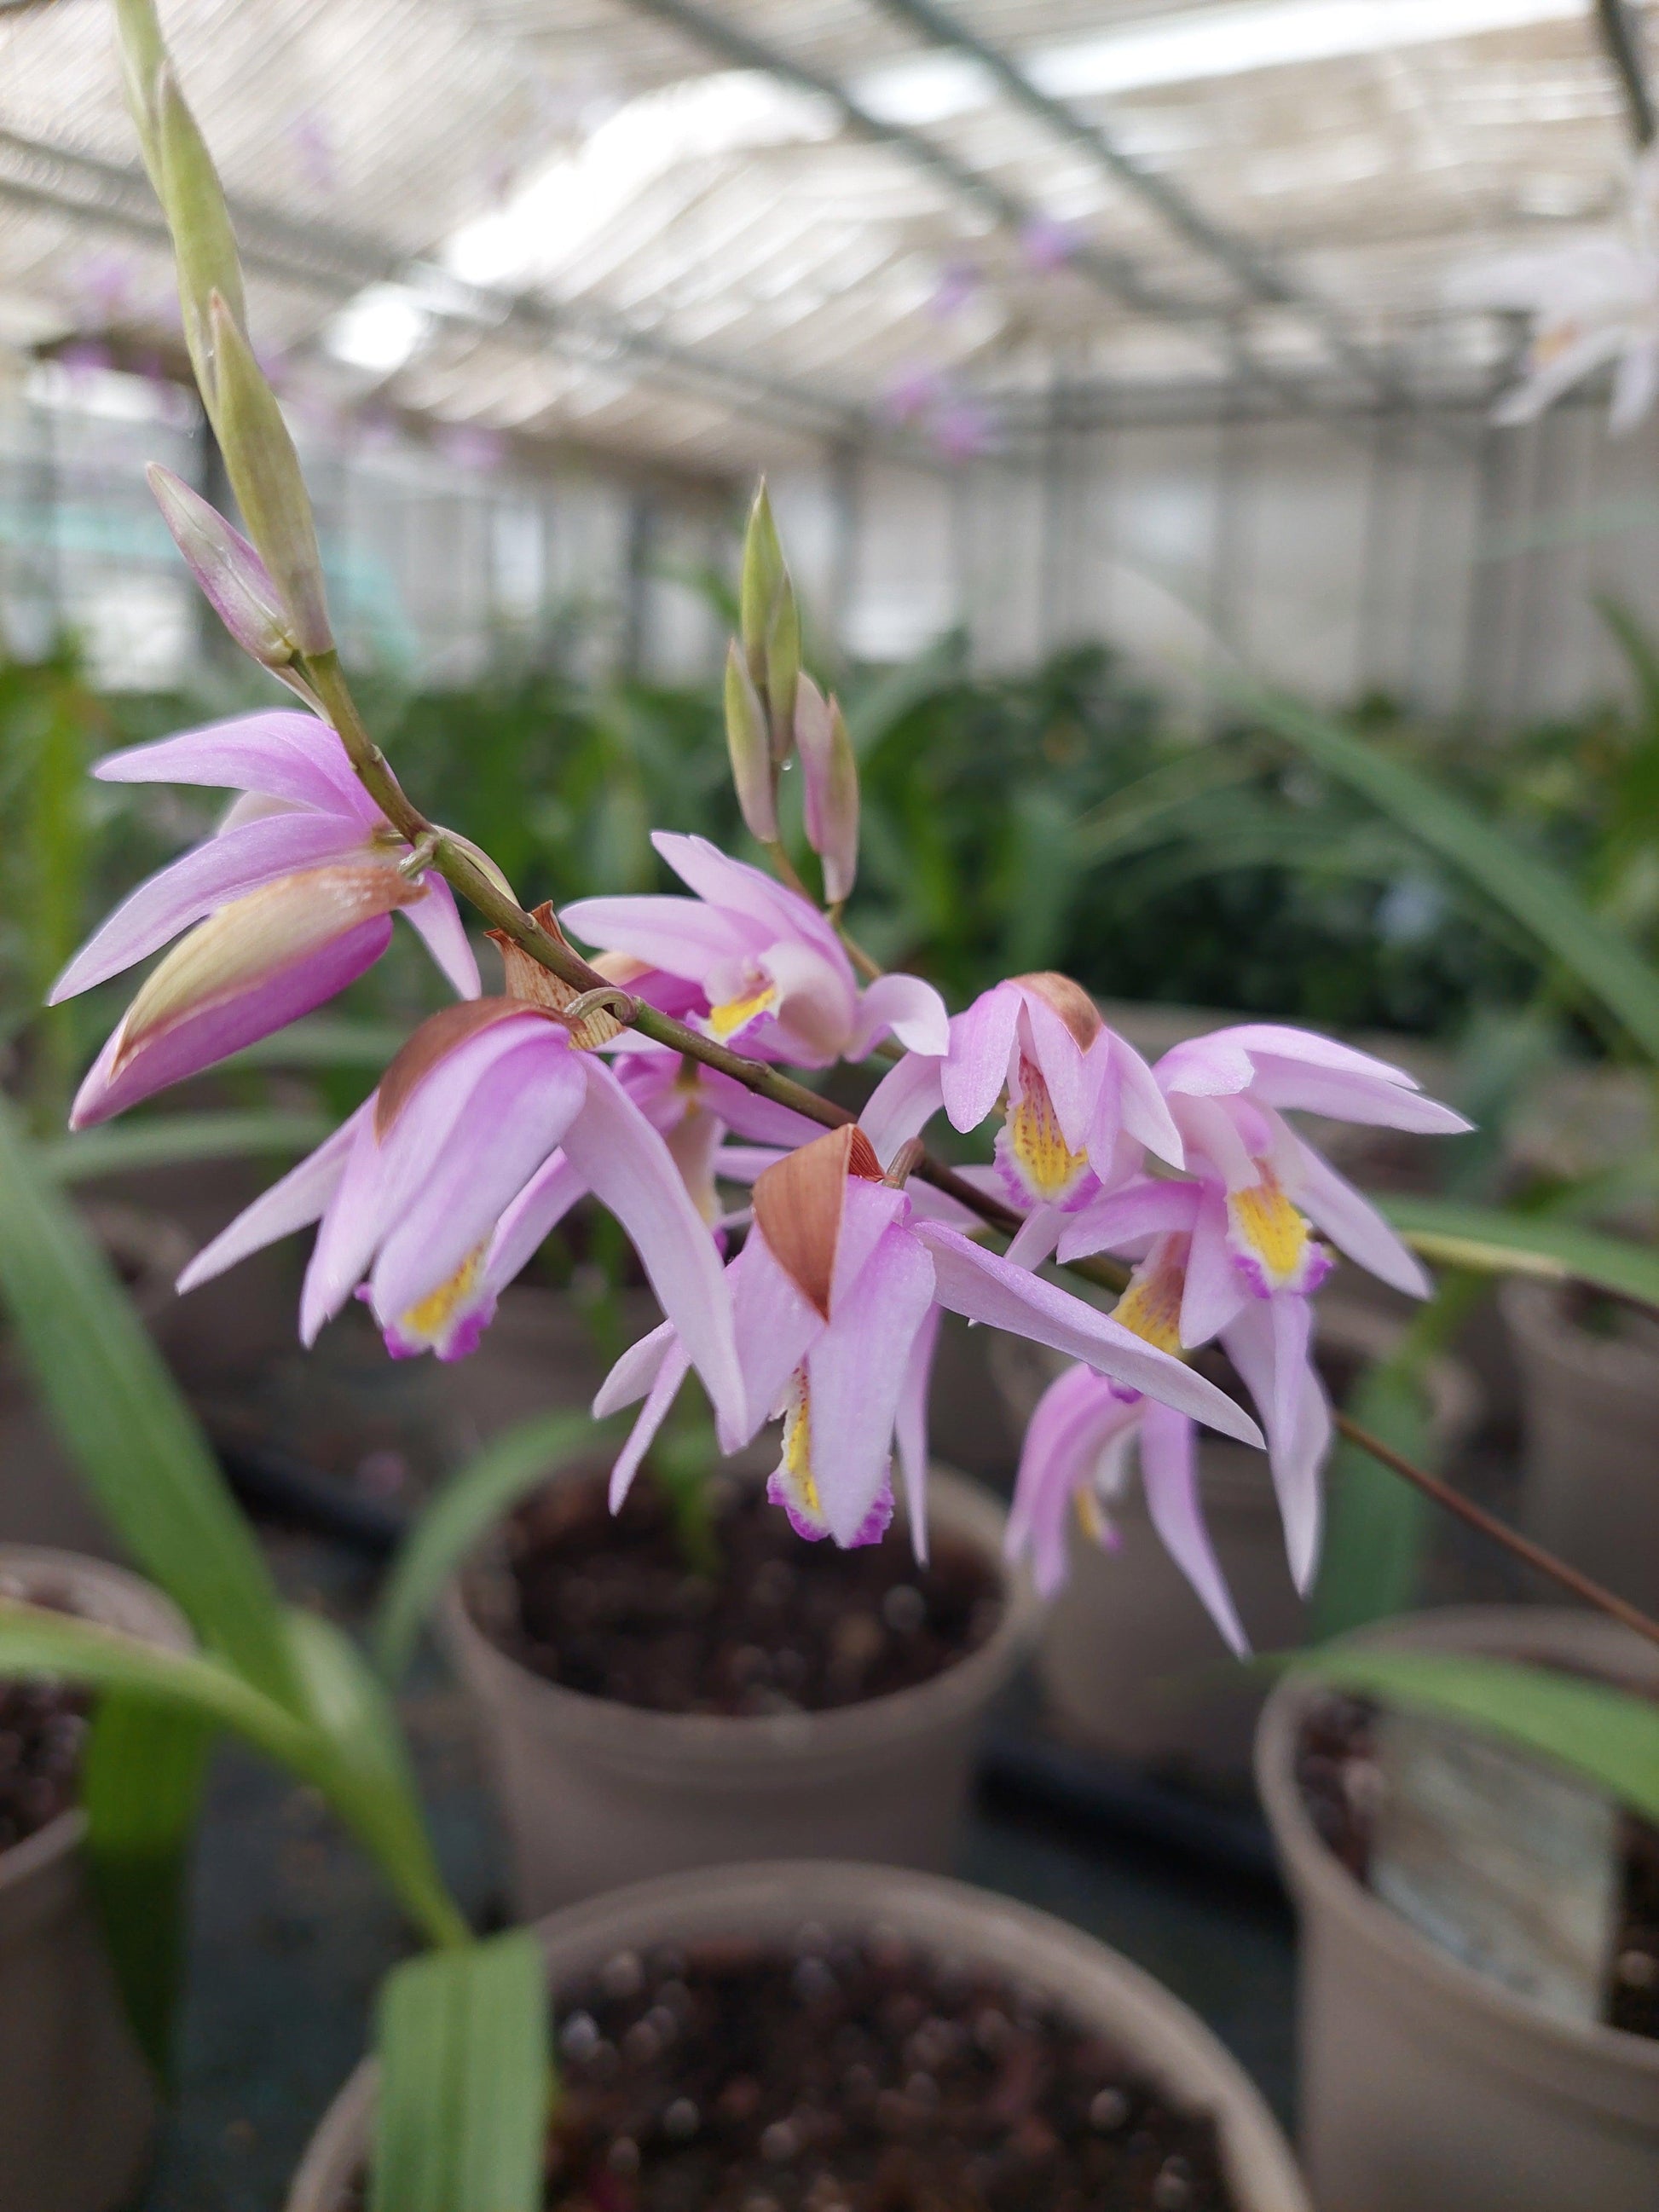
{"points": [[1422, 2083], [595, 1793], [1130, 1662], [1590, 1419], [77, 2102], [43, 1500], [770, 1902]]}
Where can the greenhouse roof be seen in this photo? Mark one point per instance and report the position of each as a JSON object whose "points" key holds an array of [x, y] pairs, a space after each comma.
{"points": [[701, 231]]}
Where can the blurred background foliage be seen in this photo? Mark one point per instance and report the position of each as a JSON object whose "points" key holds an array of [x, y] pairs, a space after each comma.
{"points": [[1067, 816]]}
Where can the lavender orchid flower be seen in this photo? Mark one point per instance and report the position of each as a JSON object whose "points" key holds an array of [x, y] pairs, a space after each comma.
{"points": [[1081, 1102], [485, 1128], [1231, 1253], [297, 887], [695, 1109], [773, 978], [836, 1297]]}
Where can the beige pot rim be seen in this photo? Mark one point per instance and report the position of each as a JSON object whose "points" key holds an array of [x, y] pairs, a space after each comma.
{"points": [[631, 1733], [1391, 1944], [1093, 1984]]}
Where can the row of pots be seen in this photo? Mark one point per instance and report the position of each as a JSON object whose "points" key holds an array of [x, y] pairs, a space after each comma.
{"points": [[1422, 2081]]}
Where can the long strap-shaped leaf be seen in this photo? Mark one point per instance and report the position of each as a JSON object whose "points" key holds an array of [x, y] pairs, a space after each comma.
{"points": [[1606, 965], [362, 1784], [1496, 1243], [165, 1139], [1608, 1737], [465, 2078], [131, 1435], [507, 1468]]}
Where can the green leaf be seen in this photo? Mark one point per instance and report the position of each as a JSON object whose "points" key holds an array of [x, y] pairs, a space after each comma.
{"points": [[1524, 1243], [1374, 1535], [130, 1431], [460, 2115], [161, 1139], [354, 1713], [37, 1644], [508, 1468], [327, 1041], [1608, 1737], [1605, 964], [140, 1787]]}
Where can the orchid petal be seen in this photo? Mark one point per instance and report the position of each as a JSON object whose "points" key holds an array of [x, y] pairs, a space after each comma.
{"points": [[1169, 1476], [1117, 1218], [1074, 1420], [1214, 1067], [665, 1388], [736, 887], [912, 1010], [350, 1230], [1353, 1224], [1035, 1240], [856, 1374], [1073, 1076], [295, 1203], [239, 859], [1214, 1289], [629, 1169], [981, 1046], [286, 756], [636, 1371], [817, 1004], [902, 1104], [1343, 1098], [680, 936], [436, 920], [910, 1428], [776, 1327], [122, 1074], [1142, 1108], [986, 1288], [1269, 1345]]}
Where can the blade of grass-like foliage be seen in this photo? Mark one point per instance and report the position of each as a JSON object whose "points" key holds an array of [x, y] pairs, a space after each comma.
{"points": [[460, 2113], [874, 712], [37, 1644], [131, 1433], [507, 1468], [1608, 1737], [354, 1713], [1605, 964], [1524, 1243], [326, 1041], [1374, 1537], [140, 1787], [164, 1139]]}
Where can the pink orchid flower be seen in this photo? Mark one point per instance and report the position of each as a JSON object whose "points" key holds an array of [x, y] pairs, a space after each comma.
{"points": [[695, 1109], [836, 1297], [775, 978], [1076, 1455], [293, 897], [1081, 1102], [485, 1128]]}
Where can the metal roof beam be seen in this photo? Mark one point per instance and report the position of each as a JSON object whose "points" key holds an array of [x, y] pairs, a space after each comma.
{"points": [[66, 181], [1251, 269], [1110, 273]]}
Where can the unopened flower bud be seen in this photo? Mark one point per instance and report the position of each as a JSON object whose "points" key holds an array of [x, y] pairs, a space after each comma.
{"points": [[202, 240], [264, 474], [770, 623], [750, 745], [831, 794], [234, 580]]}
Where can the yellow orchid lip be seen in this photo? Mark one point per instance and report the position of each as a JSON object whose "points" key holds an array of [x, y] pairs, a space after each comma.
{"points": [[1151, 1306], [798, 1448], [428, 1321], [1267, 1229], [733, 1014], [1036, 1145]]}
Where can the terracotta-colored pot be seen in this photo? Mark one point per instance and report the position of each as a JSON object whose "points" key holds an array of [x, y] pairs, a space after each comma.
{"points": [[1096, 1987], [1130, 1662], [595, 1793], [42, 1499], [1423, 2084], [77, 2104], [1590, 1409]]}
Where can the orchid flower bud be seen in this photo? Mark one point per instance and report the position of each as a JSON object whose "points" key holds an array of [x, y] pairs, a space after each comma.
{"points": [[202, 240], [234, 580], [770, 623], [257, 964], [264, 474], [831, 794], [747, 742]]}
